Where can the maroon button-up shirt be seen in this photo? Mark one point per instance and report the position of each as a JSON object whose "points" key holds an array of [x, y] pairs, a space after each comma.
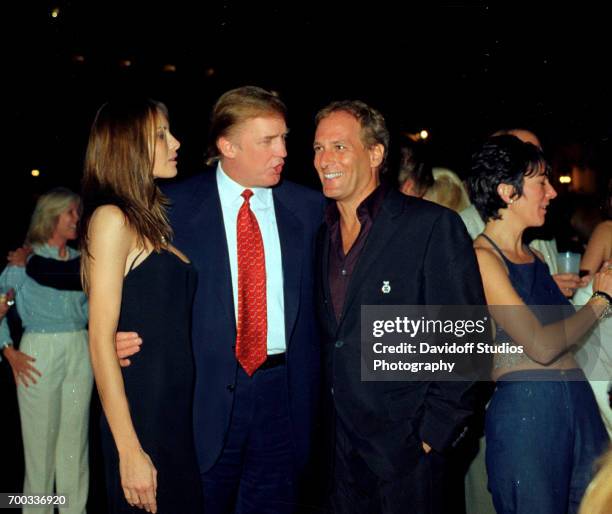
{"points": [[341, 266]]}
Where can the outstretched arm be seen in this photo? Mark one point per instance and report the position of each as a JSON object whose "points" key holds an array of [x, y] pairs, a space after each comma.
{"points": [[542, 343], [63, 275]]}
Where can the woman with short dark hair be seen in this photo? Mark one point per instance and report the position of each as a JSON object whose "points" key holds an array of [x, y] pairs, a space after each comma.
{"points": [[543, 426]]}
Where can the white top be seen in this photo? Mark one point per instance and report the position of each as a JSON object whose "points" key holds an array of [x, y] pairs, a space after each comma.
{"points": [[262, 205], [594, 354]]}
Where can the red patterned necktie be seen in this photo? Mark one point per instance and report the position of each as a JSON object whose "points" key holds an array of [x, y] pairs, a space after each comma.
{"points": [[252, 327]]}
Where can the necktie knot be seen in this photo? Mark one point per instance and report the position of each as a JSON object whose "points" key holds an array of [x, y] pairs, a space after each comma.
{"points": [[247, 194]]}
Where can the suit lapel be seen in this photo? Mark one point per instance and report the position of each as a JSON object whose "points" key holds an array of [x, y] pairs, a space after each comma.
{"points": [[291, 235], [324, 267], [380, 234], [207, 222]]}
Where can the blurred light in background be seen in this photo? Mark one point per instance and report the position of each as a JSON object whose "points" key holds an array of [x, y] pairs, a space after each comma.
{"points": [[421, 135], [55, 12], [35, 173], [565, 179]]}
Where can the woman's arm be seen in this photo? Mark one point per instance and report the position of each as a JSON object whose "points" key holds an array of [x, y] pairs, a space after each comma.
{"points": [[599, 248], [542, 343], [111, 241], [62, 275], [24, 372]]}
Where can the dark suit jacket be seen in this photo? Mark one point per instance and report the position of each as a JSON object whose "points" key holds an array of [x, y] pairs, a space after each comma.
{"points": [[426, 255], [197, 220]]}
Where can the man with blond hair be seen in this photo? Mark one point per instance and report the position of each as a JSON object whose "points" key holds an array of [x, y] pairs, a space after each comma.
{"points": [[255, 341]]}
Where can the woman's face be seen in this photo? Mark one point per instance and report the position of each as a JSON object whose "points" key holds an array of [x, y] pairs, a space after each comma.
{"points": [[66, 227], [166, 146], [532, 204]]}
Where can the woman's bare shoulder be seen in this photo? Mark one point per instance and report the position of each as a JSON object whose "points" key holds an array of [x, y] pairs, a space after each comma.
{"points": [[108, 214], [109, 225], [603, 231]]}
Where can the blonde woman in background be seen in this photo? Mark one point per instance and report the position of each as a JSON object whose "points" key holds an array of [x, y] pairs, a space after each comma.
{"points": [[448, 190], [51, 366]]}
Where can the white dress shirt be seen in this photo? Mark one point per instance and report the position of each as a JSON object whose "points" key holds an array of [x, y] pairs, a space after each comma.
{"points": [[262, 205]]}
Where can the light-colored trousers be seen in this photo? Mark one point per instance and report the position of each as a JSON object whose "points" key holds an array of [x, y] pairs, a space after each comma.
{"points": [[55, 419]]}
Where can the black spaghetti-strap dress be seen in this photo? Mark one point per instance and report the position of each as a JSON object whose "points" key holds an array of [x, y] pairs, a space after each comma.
{"points": [[156, 303]]}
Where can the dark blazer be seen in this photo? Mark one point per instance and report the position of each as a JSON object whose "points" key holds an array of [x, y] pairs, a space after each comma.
{"points": [[426, 255], [197, 220]]}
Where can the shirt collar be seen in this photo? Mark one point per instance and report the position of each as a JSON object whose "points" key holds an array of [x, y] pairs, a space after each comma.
{"points": [[368, 208], [230, 192], [46, 250]]}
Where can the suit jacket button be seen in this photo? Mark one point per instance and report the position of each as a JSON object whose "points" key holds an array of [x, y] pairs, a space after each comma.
{"points": [[231, 388], [339, 344]]}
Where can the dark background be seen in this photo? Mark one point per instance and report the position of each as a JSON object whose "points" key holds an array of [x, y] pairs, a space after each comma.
{"points": [[461, 71]]}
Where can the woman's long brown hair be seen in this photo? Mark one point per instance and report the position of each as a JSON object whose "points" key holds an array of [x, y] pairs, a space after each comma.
{"points": [[119, 171]]}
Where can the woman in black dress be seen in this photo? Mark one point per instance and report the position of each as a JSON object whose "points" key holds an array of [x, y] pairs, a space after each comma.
{"points": [[136, 280]]}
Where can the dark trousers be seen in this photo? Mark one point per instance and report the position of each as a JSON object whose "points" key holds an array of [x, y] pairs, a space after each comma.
{"points": [[255, 473], [357, 490], [542, 440]]}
